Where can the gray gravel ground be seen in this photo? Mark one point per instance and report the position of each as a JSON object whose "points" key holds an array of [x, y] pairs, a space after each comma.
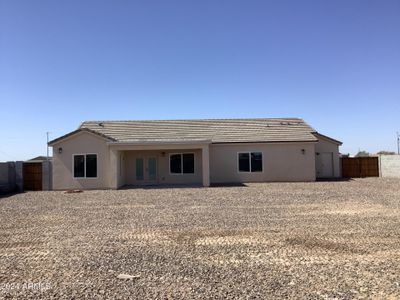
{"points": [[322, 240]]}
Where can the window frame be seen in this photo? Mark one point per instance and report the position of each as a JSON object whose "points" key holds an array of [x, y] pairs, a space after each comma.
{"points": [[84, 166], [250, 164], [181, 154]]}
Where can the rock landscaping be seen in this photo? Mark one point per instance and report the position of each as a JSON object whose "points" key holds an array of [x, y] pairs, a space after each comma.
{"points": [[319, 240]]}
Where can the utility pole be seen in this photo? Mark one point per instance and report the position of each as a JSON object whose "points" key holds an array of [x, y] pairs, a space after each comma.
{"points": [[47, 144], [398, 143]]}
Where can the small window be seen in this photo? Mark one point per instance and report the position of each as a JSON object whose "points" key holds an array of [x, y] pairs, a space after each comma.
{"points": [[182, 163], [250, 162], [85, 166]]}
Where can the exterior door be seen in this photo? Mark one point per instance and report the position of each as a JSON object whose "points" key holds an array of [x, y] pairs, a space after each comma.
{"points": [[324, 165], [146, 170]]}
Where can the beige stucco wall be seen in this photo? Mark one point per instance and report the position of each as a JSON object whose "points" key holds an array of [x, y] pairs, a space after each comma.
{"points": [[116, 164], [324, 145], [80, 143], [281, 162], [163, 174]]}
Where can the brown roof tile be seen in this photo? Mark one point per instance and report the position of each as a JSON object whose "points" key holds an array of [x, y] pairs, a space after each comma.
{"points": [[215, 130]]}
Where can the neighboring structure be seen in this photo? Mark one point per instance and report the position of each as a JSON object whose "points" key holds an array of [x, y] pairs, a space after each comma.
{"points": [[39, 158], [111, 154]]}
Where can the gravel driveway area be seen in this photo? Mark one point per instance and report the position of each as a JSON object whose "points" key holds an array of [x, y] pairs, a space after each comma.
{"points": [[319, 240]]}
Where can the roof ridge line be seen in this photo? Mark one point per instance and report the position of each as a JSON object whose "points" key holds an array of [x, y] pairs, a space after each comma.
{"points": [[210, 119]]}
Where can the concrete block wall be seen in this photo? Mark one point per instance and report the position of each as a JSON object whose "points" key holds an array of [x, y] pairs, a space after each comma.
{"points": [[47, 175], [19, 175], [389, 166], [11, 177], [4, 178]]}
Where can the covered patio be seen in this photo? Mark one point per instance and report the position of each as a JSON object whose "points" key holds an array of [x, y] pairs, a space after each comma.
{"points": [[159, 163]]}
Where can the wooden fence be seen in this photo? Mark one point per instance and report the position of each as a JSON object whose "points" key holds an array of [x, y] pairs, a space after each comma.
{"points": [[360, 167], [32, 176]]}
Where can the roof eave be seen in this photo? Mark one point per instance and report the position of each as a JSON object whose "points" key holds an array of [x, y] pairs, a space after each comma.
{"points": [[267, 142], [328, 138]]}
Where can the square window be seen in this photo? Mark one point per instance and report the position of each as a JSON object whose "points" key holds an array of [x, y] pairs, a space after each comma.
{"points": [[85, 165], [181, 163], [250, 162]]}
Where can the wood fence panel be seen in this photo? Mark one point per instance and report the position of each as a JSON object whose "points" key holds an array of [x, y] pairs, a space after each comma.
{"points": [[32, 174], [357, 167]]}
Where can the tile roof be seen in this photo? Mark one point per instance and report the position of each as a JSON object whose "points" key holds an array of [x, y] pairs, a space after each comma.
{"points": [[214, 130]]}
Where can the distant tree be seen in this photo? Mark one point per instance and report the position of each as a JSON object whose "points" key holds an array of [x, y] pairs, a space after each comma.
{"points": [[362, 154], [383, 152]]}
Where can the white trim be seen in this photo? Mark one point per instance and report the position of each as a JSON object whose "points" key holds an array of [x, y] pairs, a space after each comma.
{"points": [[181, 154], [250, 166], [84, 166]]}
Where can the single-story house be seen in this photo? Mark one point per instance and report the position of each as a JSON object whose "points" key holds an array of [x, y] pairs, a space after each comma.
{"points": [[112, 154]]}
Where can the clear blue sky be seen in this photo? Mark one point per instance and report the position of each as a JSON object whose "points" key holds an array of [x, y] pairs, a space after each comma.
{"points": [[334, 63]]}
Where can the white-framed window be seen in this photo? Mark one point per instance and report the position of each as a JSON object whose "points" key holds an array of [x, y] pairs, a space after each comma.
{"points": [[85, 165], [181, 163], [250, 162]]}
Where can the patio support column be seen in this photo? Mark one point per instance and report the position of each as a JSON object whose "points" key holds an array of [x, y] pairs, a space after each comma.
{"points": [[113, 171], [205, 161]]}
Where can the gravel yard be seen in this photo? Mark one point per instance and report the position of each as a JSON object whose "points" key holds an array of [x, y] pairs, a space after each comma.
{"points": [[270, 240]]}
